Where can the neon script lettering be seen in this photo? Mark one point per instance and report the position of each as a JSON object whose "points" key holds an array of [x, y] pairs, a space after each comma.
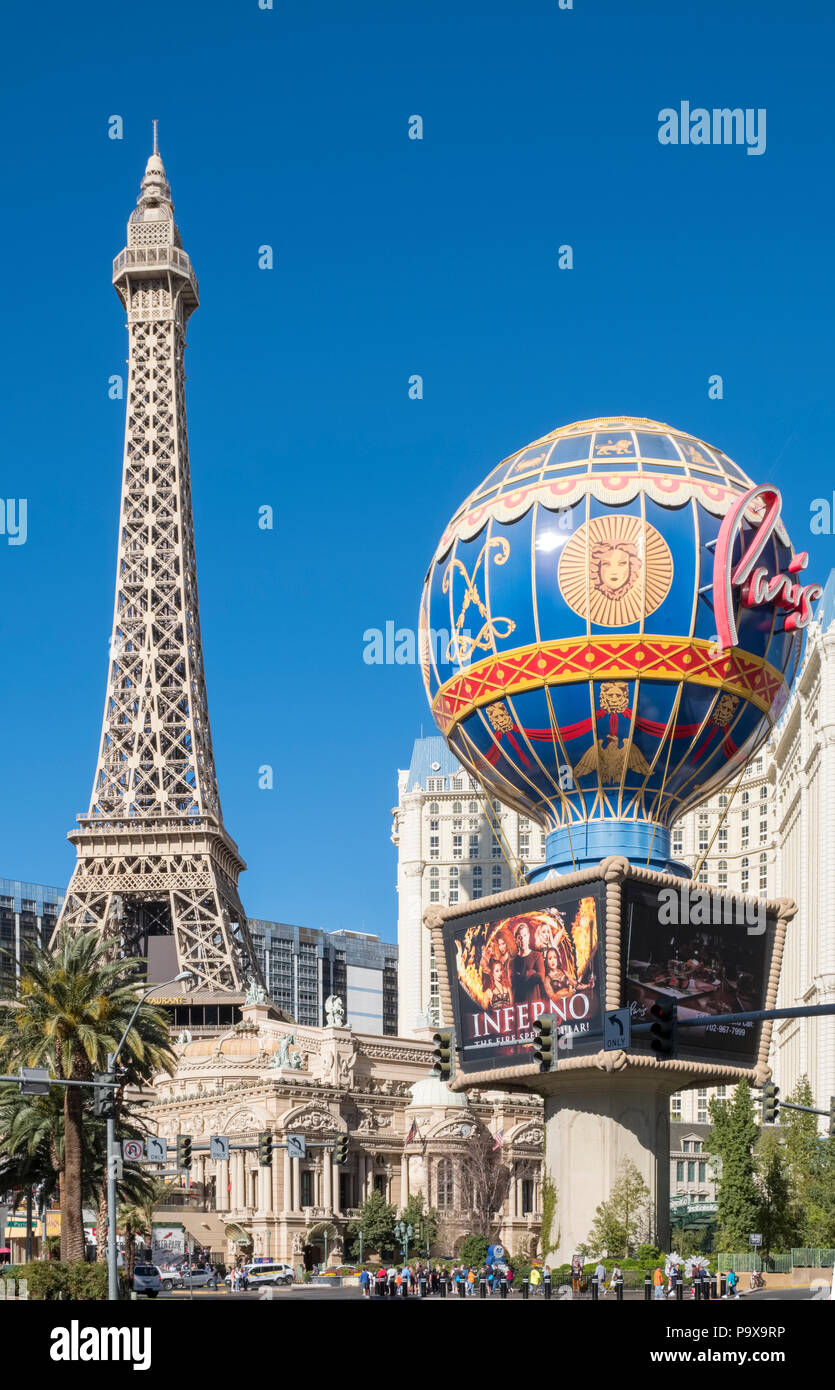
{"points": [[757, 586]]}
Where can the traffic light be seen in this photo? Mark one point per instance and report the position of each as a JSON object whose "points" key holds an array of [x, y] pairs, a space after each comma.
{"points": [[265, 1149], [104, 1096], [442, 1055], [340, 1149], [543, 1050], [184, 1151], [770, 1103], [665, 1017], [832, 1117]]}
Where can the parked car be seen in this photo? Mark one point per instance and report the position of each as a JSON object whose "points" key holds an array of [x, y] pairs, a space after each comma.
{"points": [[147, 1280], [179, 1279], [267, 1273]]}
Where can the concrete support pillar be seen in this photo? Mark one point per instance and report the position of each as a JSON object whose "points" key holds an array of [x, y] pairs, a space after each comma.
{"points": [[287, 1194], [591, 1126]]}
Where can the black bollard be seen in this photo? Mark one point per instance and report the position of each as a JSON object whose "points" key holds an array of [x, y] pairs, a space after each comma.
{"points": [[526, 1288], [647, 1288], [721, 1286], [503, 1289], [482, 1288], [679, 1290], [619, 1290], [442, 1285], [697, 1289], [546, 1288], [594, 1289]]}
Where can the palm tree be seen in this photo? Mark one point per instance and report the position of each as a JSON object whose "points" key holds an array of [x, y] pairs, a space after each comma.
{"points": [[132, 1223], [73, 1004]]}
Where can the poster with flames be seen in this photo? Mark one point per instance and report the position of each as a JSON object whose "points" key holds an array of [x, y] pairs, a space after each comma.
{"points": [[505, 971]]}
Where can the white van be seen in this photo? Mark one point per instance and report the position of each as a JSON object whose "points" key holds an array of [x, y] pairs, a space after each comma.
{"points": [[268, 1273]]}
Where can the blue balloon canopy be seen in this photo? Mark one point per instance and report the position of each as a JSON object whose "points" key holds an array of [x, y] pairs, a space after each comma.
{"points": [[569, 635]]}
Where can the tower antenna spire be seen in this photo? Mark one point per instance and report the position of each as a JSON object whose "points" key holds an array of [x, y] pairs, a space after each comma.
{"points": [[156, 141]]}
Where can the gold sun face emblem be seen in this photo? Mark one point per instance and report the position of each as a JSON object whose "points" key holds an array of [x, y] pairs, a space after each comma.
{"points": [[615, 570]]}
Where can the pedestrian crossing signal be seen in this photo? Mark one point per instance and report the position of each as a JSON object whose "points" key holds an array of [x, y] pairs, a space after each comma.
{"points": [[265, 1149], [663, 1030], [543, 1050], [442, 1056]]}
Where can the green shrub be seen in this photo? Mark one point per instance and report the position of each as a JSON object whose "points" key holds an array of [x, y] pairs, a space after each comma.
{"points": [[87, 1281], [474, 1251], [49, 1280]]}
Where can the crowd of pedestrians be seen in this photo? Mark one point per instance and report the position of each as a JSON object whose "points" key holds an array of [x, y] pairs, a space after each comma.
{"points": [[462, 1281]]}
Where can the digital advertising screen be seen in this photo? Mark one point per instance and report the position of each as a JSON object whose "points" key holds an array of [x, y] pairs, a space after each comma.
{"points": [[706, 951], [506, 969]]}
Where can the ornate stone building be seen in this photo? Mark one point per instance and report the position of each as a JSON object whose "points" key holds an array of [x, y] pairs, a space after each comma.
{"points": [[406, 1130]]}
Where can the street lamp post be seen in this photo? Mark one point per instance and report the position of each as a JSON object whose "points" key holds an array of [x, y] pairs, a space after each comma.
{"points": [[404, 1234], [112, 1058]]}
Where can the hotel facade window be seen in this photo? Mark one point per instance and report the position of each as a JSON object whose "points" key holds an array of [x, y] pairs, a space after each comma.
{"points": [[445, 1183]]}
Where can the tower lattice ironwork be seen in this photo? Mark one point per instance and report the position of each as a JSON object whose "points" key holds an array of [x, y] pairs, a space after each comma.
{"points": [[153, 853]]}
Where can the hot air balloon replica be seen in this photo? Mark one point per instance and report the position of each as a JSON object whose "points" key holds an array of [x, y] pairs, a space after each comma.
{"points": [[610, 627]]}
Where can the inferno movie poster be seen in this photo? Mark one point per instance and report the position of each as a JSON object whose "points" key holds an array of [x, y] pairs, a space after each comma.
{"points": [[507, 971]]}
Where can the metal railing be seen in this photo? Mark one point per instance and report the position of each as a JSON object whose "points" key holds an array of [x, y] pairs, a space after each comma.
{"points": [[153, 255]]}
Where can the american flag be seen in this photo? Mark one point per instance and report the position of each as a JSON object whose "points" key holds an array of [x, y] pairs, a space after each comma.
{"points": [[412, 1135], [497, 1142]]}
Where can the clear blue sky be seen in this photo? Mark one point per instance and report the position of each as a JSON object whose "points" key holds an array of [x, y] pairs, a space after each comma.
{"points": [[393, 257]]}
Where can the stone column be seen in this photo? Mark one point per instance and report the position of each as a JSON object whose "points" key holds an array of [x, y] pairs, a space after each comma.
{"points": [[591, 1126], [335, 1172], [360, 1178], [327, 1180], [297, 1184], [287, 1194], [222, 1186], [238, 1188], [265, 1184], [404, 1180]]}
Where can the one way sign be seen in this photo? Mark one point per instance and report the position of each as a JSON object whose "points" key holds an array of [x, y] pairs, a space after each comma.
{"points": [[617, 1030]]}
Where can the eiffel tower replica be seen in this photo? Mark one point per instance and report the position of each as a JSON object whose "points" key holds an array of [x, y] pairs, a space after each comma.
{"points": [[155, 862]]}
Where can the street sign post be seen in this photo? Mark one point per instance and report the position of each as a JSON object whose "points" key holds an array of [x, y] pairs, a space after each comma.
{"points": [[617, 1030], [219, 1147], [296, 1146], [755, 1240]]}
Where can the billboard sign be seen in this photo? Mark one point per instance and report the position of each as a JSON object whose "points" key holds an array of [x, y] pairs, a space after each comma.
{"points": [[707, 952], [507, 969]]}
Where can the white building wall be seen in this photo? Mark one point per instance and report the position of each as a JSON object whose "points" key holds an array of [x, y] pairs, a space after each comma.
{"points": [[789, 789], [446, 852]]}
